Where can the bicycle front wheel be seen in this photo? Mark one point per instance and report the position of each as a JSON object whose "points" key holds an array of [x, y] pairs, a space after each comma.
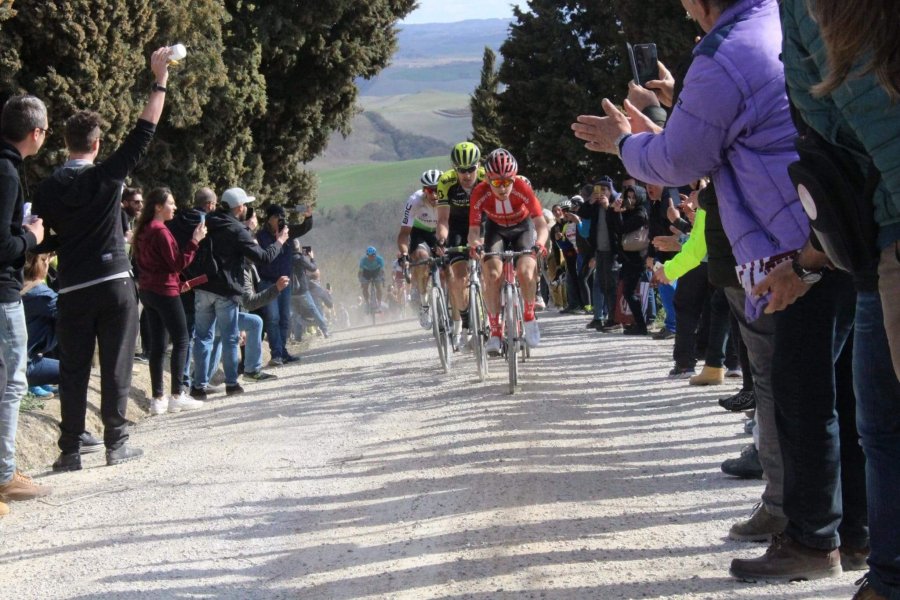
{"points": [[477, 327], [441, 326], [512, 336]]}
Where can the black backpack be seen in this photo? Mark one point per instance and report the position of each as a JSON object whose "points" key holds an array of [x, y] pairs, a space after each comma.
{"points": [[204, 262]]}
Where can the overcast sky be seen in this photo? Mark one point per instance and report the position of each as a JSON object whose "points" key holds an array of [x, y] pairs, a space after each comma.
{"points": [[448, 11]]}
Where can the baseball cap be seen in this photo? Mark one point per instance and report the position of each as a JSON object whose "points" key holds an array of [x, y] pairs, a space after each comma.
{"points": [[234, 197]]}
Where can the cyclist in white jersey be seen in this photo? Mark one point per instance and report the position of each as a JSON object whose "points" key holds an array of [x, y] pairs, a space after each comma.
{"points": [[416, 239]]}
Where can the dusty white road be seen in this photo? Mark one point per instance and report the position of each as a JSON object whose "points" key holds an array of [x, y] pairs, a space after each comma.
{"points": [[366, 473]]}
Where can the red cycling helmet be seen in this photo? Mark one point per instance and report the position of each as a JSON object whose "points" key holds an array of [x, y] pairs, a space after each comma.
{"points": [[500, 163]]}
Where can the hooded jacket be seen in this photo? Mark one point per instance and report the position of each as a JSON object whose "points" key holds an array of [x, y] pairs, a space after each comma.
{"points": [[14, 240], [231, 244], [82, 203], [732, 120]]}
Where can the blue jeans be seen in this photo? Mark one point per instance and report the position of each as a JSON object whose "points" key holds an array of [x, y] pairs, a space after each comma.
{"points": [[307, 307], [277, 318], [603, 293], [253, 326], [878, 422], [14, 349], [212, 310], [43, 371], [815, 413], [667, 296]]}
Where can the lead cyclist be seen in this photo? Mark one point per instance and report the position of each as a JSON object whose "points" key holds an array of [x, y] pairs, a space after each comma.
{"points": [[515, 221]]}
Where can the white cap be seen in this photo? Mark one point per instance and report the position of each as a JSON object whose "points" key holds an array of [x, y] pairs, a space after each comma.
{"points": [[234, 197]]}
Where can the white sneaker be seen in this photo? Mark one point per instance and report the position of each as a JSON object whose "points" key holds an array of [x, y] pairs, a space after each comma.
{"points": [[183, 402], [532, 334], [425, 318], [158, 406], [493, 346], [539, 304], [465, 341]]}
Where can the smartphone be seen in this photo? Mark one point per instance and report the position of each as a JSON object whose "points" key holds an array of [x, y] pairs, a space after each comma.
{"points": [[307, 249], [643, 61], [202, 217]]}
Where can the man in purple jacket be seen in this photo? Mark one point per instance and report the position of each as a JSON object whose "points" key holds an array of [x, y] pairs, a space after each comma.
{"points": [[732, 121]]}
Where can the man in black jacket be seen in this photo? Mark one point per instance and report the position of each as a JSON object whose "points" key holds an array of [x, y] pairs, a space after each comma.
{"points": [[603, 240], [23, 128], [217, 302], [81, 203]]}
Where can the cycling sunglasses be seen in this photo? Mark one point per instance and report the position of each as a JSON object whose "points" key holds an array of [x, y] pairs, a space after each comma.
{"points": [[471, 169], [426, 189], [500, 182]]}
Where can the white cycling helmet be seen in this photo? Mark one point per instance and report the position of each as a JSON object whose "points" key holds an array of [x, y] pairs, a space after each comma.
{"points": [[430, 178]]}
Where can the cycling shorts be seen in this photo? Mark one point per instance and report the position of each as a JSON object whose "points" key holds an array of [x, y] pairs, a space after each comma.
{"points": [[421, 239], [457, 238], [518, 237], [377, 276]]}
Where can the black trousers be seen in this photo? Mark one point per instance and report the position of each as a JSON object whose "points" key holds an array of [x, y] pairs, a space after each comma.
{"points": [[165, 314], [105, 314], [632, 270], [690, 296]]}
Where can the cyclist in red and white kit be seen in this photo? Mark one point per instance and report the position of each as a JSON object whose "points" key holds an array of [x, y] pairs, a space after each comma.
{"points": [[515, 221]]}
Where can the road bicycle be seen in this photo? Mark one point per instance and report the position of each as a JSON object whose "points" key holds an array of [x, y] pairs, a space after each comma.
{"points": [[512, 307], [372, 305], [437, 305]]}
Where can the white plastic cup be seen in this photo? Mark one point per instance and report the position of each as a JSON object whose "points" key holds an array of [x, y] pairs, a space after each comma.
{"points": [[177, 52]]}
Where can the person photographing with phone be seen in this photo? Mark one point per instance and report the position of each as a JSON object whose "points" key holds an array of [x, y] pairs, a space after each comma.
{"points": [[278, 313]]}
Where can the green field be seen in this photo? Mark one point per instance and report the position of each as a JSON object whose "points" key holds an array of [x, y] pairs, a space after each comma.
{"points": [[373, 182]]}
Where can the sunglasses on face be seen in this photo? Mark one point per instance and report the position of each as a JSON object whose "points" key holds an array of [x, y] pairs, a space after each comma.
{"points": [[500, 182], [432, 190], [467, 169]]}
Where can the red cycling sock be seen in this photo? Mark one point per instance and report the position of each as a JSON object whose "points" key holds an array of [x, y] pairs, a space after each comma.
{"points": [[496, 329], [529, 311]]}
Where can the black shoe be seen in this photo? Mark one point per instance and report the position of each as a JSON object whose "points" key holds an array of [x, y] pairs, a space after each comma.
{"points": [[141, 358], [287, 358], [635, 330], [89, 443], [260, 376], [67, 462], [743, 400], [747, 466], [233, 390], [594, 324], [123, 454], [682, 373], [663, 334], [611, 327], [198, 393]]}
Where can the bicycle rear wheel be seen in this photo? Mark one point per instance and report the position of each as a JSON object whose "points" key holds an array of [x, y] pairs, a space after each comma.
{"points": [[441, 326], [511, 334], [477, 327]]}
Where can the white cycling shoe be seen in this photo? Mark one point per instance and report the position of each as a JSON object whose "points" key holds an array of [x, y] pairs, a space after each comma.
{"points": [[493, 346], [425, 318], [532, 334]]}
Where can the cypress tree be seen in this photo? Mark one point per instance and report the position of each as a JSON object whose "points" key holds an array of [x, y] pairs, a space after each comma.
{"points": [[484, 105]]}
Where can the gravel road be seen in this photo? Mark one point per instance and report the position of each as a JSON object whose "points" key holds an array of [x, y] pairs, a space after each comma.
{"points": [[367, 473]]}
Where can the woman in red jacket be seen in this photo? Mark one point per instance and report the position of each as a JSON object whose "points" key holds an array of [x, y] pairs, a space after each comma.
{"points": [[159, 261]]}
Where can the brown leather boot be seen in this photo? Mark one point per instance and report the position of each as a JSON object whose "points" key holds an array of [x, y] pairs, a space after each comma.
{"points": [[22, 487], [787, 560], [866, 591]]}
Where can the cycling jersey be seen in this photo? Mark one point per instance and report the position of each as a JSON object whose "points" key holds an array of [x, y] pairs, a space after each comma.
{"points": [[371, 266], [418, 214], [521, 204], [451, 193]]}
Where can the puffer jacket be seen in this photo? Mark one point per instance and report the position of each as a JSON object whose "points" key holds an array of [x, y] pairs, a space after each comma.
{"points": [[858, 116], [732, 120]]}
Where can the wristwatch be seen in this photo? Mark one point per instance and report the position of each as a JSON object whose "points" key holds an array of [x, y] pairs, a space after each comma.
{"points": [[806, 276], [157, 88]]}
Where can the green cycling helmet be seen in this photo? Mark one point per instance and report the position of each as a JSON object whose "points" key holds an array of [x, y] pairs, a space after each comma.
{"points": [[465, 155]]}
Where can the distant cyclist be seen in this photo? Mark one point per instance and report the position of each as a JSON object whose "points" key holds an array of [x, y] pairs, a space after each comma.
{"points": [[371, 272], [454, 190], [417, 236], [515, 221]]}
